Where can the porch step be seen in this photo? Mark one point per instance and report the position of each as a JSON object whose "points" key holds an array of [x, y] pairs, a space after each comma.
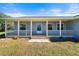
{"points": [[39, 40], [39, 37]]}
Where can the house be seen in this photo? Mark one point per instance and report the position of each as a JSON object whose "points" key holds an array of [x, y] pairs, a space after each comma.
{"points": [[49, 26]]}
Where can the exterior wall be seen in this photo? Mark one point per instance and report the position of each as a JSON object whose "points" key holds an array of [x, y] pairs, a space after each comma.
{"points": [[75, 27], [68, 25]]}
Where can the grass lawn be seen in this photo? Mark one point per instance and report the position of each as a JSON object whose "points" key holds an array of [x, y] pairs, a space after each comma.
{"points": [[1, 33], [22, 47]]}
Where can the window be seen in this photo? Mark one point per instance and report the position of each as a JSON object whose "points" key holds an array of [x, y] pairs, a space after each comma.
{"points": [[58, 26], [49, 26], [38, 27], [22, 26], [62, 26]]}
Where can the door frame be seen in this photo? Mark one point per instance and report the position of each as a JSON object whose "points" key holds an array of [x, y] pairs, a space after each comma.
{"points": [[39, 32]]}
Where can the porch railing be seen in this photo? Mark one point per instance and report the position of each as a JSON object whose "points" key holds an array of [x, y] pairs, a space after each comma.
{"points": [[67, 32], [50, 32], [63, 32], [53, 32], [15, 32], [12, 33]]}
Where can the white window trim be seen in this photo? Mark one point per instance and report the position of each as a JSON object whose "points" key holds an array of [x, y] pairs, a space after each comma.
{"points": [[61, 23]]}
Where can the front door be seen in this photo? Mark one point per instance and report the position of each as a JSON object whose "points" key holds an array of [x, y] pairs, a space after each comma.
{"points": [[39, 28]]}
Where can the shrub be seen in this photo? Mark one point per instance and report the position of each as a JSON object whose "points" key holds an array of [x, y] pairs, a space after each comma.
{"points": [[14, 38]]}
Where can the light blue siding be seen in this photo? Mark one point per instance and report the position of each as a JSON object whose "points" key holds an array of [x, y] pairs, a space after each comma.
{"points": [[75, 27]]}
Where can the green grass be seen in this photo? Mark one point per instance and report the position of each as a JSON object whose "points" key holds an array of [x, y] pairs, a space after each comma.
{"points": [[21, 47], [1, 33]]}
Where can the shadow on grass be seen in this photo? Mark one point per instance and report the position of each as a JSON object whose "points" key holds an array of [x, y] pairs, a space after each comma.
{"points": [[2, 36], [63, 39]]}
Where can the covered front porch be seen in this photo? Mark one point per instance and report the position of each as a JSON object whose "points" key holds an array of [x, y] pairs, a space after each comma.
{"points": [[20, 28]]}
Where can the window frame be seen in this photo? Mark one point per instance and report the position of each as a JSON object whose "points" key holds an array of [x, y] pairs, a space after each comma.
{"points": [[59, 26], [23, 24], [37, 26], [48, 26]]}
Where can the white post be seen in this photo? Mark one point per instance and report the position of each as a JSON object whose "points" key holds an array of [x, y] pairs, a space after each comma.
{"points": [[18, 27], [5, 28], [26, 29], [60, 27], [31, 28], [47, 28]]}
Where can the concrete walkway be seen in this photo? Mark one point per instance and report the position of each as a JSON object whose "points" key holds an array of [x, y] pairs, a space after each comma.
{"points": [[39, 40]]}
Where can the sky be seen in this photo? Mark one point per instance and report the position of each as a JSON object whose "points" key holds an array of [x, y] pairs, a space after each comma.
{"points": [[39, 9]]}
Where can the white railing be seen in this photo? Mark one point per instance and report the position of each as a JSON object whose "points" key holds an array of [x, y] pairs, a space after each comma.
{"points": [[57, 32], [53, 32], [67, 32], [12, 32], [15, 32], [50, 32], [24, 32]]}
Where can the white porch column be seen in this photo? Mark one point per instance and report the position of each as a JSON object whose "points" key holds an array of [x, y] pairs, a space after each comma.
{"points": [[18, 27], [47, 28], [5, 28], [31, 28], [60, 27]]}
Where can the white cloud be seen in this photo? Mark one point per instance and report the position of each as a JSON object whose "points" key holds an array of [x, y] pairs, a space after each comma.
{"points": [[7, 6], [42, 9], [71, 11], [56, 11], [10, 7], [16, 14], [4, 7]]}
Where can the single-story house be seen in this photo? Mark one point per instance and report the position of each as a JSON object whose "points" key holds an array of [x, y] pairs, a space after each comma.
{"points": [[49, 26]]}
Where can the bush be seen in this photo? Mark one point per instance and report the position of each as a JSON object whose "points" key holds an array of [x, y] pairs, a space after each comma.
{"points": [[14, 38]]}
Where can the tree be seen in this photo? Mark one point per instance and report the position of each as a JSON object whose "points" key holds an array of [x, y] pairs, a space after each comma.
{"points": [[2, 21]]}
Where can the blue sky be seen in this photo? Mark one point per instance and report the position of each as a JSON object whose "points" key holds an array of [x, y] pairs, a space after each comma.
{"points": [[39, 9]]}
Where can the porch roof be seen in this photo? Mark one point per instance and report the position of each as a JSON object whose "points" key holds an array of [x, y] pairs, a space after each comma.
{"points": [[43, 18]]}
